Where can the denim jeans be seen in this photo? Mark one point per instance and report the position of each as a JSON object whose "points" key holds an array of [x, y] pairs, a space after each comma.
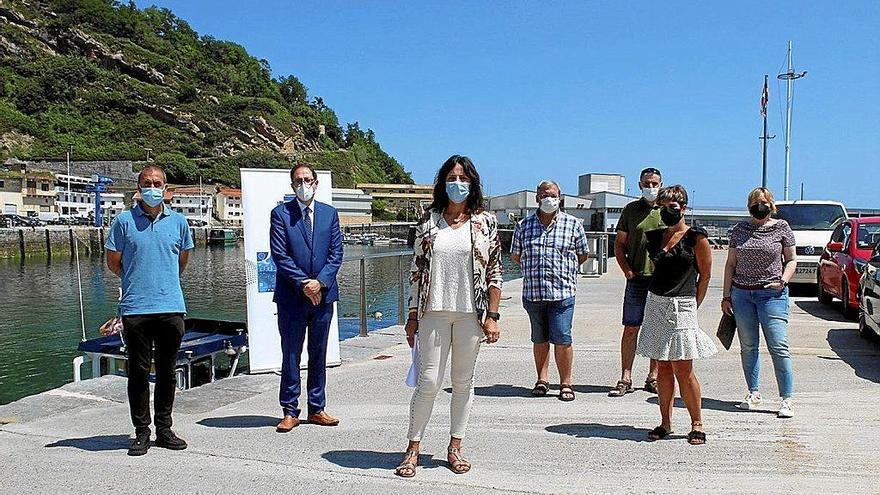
{"points": [[769, 309]]}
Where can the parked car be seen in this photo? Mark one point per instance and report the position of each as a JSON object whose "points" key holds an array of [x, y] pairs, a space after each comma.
{"points": [[843, 259], [22, 221], [869, 296], [812, 223]]}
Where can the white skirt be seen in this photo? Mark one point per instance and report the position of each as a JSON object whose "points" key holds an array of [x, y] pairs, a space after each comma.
{"points": [[670, 331]]}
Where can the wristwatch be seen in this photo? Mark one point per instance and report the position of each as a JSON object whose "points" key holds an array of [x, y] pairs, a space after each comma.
{"points": [[494, 316]]}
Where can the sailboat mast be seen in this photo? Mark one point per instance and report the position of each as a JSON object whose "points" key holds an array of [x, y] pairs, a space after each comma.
{"points": [[789, 77]]}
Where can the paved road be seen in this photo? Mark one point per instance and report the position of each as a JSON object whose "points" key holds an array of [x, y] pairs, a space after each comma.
{"points": [[74, 439]]}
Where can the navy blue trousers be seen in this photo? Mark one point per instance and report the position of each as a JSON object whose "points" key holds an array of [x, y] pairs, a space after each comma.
{"points": [[294, 324]]}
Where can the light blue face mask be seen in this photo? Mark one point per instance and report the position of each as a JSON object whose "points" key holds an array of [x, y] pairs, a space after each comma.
{"points": [[152, 196], [458, 191]]}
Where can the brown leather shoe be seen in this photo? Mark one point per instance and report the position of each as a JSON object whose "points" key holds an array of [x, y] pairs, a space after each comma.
{"points": [[287, 424], [323, 419]]}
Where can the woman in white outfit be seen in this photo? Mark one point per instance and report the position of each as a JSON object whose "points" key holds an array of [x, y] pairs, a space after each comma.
{"points": [[453, 302], [670, 333]]}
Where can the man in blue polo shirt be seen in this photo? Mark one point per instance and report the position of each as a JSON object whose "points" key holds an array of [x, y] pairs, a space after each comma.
{"points": [[148, 247]]}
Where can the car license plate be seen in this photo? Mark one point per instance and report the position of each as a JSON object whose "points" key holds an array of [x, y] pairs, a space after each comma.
{"points": [[805, 270]]}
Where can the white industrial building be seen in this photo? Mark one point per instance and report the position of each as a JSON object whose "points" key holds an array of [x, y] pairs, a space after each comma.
{"points": [[596, 183]]}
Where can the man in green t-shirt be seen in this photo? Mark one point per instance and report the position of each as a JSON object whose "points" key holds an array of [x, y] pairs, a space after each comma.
{"points": [[632, 256]]}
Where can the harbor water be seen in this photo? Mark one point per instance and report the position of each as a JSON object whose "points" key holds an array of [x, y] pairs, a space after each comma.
{"points": [[40, 319]]}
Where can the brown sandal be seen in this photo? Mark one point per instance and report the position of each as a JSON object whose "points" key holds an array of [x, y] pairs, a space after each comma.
{"points": [[622, 388], [566, 393], [459, 464], [541, 388], [407, 468]]}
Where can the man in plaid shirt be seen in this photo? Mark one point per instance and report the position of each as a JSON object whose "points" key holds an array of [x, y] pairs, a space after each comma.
{"points": [[549, 246]]}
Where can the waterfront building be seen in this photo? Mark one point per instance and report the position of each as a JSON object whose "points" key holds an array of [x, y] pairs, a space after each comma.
{"points": [[119, 170], [195, 203], [354, 206], [595, 183], [400, 197], [27, 192], [11, 198], [81, 203], [227, 206]]}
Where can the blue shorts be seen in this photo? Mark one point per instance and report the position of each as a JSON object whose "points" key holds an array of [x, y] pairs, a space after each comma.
{"points": [[634, 298], [551, 320]]}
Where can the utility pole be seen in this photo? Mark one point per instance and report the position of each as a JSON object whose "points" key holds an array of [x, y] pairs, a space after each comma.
{"points": [[789, 77], [765, 97]]}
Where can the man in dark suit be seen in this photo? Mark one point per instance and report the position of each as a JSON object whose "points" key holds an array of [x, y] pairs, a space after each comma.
{"points": [[306, 245]]}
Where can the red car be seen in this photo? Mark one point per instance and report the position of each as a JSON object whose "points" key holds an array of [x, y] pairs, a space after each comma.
{"points": [[843, 260]]}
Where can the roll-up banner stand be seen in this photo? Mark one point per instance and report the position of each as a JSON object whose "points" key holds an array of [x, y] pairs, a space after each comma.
{"points": [[261, 191]]}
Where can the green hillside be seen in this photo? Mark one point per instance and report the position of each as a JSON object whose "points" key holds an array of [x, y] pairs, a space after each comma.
{"points": [[111, 79]]}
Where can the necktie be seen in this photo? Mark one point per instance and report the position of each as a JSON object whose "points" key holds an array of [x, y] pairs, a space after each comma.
{"points": [[308, 220]]}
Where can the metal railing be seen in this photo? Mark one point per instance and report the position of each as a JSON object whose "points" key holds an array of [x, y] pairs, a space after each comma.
{"points": [[403, 259]]}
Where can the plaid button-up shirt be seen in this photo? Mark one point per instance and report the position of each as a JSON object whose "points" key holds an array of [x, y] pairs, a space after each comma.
{"points": [[548, 256]]}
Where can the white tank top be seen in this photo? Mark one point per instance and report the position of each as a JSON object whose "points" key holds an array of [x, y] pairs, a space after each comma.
{"points": [[452, 272]]}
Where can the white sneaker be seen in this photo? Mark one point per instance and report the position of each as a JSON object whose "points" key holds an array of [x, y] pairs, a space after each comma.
{"points": [[752, 401], [785, 411]]}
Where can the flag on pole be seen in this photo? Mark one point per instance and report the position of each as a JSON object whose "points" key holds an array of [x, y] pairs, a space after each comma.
{"points": [[765, 97]]}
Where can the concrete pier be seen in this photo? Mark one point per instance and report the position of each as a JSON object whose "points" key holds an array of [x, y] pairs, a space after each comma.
{"points": [[73, 439]]}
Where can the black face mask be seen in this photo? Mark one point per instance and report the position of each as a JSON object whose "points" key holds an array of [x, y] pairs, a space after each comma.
{"points": [[670, 217], [759, 211]]}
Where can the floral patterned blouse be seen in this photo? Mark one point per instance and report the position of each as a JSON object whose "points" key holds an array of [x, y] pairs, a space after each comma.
{"points": [[486, 259]]}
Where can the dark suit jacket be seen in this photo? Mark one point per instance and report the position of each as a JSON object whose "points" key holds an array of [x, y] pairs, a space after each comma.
{"points": [[296, 260]]}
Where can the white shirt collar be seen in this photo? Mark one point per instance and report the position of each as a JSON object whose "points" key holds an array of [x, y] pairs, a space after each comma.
{"points": [[303, 206]]}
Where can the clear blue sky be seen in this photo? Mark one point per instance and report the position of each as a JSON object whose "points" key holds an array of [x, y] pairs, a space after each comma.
{"points": [[534, 90]]}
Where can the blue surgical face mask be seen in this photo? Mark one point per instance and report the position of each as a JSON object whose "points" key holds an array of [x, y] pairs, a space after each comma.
{"points": [[458, 191], [152, 196]]}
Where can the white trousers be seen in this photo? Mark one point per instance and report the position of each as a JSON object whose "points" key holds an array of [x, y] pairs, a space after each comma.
{"points": [[442, 333]]}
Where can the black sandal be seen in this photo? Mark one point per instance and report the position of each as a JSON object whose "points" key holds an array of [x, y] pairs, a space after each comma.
{"points": [[651, 385], [541, 388], [566, 393], [697, 437], [659, 433]]}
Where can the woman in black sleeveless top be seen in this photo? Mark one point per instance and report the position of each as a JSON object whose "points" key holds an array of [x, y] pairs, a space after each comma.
{"points": [[670, 333]]}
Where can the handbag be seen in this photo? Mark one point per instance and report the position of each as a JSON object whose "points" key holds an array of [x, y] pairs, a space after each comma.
{"points": [[726, 329]]}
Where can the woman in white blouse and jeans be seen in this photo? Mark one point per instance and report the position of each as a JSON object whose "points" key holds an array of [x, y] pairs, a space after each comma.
{"points": [[455, 291]]}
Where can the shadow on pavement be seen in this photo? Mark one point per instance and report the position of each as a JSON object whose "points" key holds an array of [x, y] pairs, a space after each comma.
{"points": [[506, 390], [595, 430], [716, 405], [98, 443], [822, 311], [370, 459], [246, 421], [861, 355]]}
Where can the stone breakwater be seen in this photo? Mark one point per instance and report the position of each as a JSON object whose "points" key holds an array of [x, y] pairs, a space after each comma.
{"points": [[61, 241]]}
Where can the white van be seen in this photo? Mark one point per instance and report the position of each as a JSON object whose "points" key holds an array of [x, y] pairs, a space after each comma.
{"points": [[812, 222]]}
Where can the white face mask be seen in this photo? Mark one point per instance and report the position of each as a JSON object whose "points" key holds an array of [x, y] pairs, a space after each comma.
{"points": [[305, 192], [549, 204], [650, 193]]}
